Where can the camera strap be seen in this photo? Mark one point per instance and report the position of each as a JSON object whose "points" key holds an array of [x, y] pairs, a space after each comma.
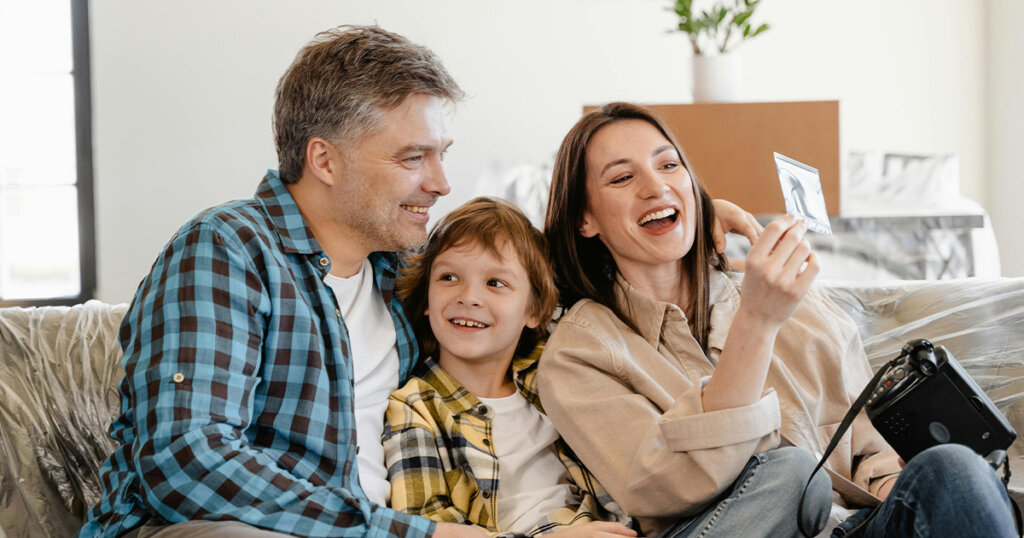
{"points": [[858, 404]]}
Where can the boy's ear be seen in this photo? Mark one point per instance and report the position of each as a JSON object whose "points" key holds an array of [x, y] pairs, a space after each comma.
{"points": [[532, 322]]}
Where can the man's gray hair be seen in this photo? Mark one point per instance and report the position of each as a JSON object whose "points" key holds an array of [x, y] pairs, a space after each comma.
{"points": [[339, 85]]}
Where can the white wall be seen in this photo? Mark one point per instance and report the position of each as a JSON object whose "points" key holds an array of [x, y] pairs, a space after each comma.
{"points": [[1005, 113], [183, 91]]}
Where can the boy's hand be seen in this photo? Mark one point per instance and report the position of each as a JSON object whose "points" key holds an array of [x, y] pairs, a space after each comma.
{"points": [[455, 530], [602, 529]]}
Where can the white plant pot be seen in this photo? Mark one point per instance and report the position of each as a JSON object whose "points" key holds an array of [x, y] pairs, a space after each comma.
{"points": [[717, 78]]}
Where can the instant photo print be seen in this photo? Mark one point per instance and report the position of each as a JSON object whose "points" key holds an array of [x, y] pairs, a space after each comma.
{"points": [[801, 188]]}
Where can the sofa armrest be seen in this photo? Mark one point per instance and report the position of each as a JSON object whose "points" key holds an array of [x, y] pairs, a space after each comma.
{"points": [[979, 320], [59, 370]]}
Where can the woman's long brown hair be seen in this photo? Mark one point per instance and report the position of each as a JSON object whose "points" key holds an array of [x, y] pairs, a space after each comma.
{"points": [[584, 268]]}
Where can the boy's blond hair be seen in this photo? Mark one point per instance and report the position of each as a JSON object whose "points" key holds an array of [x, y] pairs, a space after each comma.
{"points": [[491, 223]]}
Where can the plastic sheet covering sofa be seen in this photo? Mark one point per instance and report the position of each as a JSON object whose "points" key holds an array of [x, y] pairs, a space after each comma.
{"points": [[59, 369]]}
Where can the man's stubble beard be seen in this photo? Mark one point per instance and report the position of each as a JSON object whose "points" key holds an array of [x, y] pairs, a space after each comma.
{"points": [[376, 219]]}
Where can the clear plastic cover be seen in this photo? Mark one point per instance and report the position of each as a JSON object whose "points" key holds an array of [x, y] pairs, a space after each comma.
{"points": [[979, 321], [59, 369]]}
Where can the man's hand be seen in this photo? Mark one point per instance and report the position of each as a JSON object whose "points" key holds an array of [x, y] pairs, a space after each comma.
{"points": [[730, 217], [456, 530]]}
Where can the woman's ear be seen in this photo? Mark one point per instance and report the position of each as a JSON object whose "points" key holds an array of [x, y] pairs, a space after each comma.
{"points": [[588, 229]]}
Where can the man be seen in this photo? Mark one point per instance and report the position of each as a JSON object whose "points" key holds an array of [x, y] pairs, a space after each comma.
{"points": [[261, 349]]}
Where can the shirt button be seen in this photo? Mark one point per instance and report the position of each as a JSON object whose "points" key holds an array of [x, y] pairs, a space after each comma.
{"points": [[487, 442], [324, 261], [482, 409], [338, 312], [178, 377], [487, 494]]}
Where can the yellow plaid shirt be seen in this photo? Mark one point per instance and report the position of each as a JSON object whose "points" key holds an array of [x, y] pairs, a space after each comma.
{"points": [[439, 452]]}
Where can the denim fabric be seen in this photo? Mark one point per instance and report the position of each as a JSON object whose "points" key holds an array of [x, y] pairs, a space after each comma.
{"points": [[763, 500], [947, 490]]}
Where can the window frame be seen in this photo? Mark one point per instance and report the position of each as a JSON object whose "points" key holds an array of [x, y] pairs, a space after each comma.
{"points": [[81, 75]]}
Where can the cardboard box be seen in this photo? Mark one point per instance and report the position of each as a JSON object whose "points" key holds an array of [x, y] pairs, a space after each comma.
{"points": [[730, 146]]}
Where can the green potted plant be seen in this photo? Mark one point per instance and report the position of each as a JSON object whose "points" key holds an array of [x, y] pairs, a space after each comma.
{"points": [[714, 32]]}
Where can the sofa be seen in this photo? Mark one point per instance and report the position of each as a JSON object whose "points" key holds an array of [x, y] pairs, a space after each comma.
{"points": [[60, 367]]}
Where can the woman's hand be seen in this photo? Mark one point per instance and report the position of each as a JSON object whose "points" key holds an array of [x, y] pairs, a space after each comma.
{"points": [[731, 218], [603, 529], [779, 270]]}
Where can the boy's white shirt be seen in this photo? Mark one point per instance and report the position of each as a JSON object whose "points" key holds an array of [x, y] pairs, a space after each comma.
{"points": [[373, 339], [532, 480]]}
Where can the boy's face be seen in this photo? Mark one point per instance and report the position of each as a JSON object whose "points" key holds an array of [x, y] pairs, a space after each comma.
{"points": [[477, 303]]}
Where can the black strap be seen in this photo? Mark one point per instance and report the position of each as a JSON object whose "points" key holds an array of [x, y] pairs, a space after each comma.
{"points": [[1013, 502], [843, 426]]}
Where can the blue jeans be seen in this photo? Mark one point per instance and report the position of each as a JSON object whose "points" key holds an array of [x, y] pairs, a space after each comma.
{"points": [[947, 490], [763, 500]]}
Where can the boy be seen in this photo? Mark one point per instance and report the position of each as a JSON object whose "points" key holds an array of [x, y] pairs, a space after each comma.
{"points": [[480, 295]]}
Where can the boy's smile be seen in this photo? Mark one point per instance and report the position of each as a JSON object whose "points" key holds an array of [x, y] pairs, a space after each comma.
{"points": [[478, 305]]}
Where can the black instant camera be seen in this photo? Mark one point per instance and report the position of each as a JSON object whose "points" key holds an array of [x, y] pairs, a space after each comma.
{"points": [[924, 398]]}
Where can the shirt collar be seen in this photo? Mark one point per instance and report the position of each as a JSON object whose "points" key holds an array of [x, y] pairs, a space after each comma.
{"points": [[285, 216], [524, 370], [650, 315]]}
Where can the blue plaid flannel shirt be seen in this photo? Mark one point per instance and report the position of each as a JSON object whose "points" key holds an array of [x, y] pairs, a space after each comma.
{"points": [[237, 397]]}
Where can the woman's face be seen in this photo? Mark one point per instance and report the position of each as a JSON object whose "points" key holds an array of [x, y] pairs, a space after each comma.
{"points": [[640, 199]]}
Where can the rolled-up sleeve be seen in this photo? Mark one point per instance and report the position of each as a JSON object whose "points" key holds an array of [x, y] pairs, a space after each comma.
{"points": [[686, 426], [658, 454]]}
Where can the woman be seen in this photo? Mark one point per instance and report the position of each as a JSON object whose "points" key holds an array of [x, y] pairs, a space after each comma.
{"points": [[700, 398]]}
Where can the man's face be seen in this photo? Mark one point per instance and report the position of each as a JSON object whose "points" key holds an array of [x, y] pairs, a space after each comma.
{"points": [[393, 176]]}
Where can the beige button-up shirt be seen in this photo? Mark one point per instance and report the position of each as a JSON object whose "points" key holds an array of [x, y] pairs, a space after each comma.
{"points": [[629, 404]]}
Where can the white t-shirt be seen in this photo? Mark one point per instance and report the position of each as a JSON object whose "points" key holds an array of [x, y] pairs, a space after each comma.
{"points": [[532, 481], [372, 339]]}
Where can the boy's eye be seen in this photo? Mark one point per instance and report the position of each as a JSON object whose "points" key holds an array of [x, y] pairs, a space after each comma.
{"points": [[494, 282], [448, 277]]}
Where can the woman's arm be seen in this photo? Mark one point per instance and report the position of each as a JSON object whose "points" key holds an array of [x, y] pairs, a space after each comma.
{"points": [[780, 269], [656, 460]]}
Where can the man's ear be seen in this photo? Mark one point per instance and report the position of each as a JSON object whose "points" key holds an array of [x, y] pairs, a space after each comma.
{"points": [[588, 228], [323, 160]]}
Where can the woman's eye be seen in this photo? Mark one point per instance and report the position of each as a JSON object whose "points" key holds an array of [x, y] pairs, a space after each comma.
{"points": [[621, 179], [670, 166], [494, 282]]}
